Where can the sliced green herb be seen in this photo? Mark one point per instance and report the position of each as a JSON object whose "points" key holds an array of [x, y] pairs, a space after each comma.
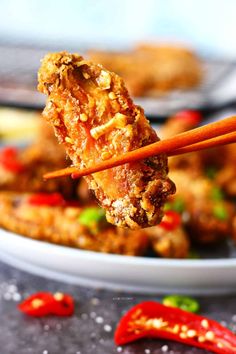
{"points": [[217, 193], [177, 205], [220, 212], [92, 218], [183, 302], [211, 172]]}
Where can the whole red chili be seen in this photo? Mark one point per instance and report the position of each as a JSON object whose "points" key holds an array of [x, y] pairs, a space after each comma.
{"points": [[44, 303], [189, 116], [153, 320], [10, 161], [50, 199], [171, 220]]}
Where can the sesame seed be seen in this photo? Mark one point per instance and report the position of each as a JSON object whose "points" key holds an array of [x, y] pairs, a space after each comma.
{"points": [[184, 328], [119, 349], [201, 339], [220, 345], [191, 333], [36, 303], [68, 140], [105, 155], [58, 296], [86, 75], [107, 328], [112, 96], [210, 335], [164, 348], [83, 117], [183, 335], [175, 328], [205, 324]]}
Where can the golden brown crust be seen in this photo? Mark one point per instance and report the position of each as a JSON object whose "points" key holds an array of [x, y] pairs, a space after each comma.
{"points": [[94, 117], [151, 70], [60, 225]]}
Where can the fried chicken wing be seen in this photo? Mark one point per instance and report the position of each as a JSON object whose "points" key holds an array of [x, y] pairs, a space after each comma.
{"points": [[61, 225], [95, 118]]}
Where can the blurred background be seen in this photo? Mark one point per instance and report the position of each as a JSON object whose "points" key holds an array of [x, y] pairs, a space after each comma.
{"points": [[29, 29]]}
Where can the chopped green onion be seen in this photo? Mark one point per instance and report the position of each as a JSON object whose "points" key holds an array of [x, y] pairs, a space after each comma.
{"points": [[183, 302], [220, 212], [177, 205], [211, 172], [92, 217], [217, 193]]}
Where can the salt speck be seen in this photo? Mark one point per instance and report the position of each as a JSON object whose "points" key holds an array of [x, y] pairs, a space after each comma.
{"points": [[107, 328], [16, 297], [93, 314], [12, 288], [119, 349], [147, 351], [84, 316], [99, 319], [164, 348], [95, 301], [45, 352], [46, 327], [7, 296]]}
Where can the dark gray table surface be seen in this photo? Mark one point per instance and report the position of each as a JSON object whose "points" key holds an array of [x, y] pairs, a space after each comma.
{"points": [[91, 329]]}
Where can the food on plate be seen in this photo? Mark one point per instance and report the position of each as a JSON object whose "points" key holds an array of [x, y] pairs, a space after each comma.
{"points": [[48, 217], [153, 320], [95, 118], [152, 70], [42, 304], [201, 214], [169, 239], [22, 169]]}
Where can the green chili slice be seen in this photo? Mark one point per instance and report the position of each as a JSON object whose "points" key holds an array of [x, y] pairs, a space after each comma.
{"points": [[92, 217], [220, 212], [183, 302], [217, 193], [177, 205]]}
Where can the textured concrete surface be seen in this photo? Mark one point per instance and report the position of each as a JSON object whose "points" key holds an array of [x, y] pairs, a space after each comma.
{"points": [[91, 329]]}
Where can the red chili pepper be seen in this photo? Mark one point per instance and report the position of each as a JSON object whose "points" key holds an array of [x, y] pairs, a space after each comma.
{"points": [[44, 303], [153, 320], [63, 305], [171, 220], [38, 305], [189, 116], [9, 160], [50, 199]]}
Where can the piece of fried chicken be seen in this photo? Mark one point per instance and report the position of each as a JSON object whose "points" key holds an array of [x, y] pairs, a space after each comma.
{"points": [[95, 118]]}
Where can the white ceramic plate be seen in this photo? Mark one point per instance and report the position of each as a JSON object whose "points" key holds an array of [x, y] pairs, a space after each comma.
{"points": [[125, 273]]}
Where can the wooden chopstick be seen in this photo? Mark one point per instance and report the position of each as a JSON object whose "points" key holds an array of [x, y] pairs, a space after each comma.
{"points": [[207, 144], [181, 141]]}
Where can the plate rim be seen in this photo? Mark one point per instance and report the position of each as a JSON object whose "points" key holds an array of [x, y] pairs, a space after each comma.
{"points": [[122, 259]]}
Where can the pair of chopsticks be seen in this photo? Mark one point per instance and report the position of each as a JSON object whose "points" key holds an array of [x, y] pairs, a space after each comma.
{"points": [[208, 136]]}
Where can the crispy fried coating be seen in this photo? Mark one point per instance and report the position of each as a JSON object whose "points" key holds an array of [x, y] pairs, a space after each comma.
{"points": [[169, 244], [152, 70], [60, 225], [94, 117]]}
